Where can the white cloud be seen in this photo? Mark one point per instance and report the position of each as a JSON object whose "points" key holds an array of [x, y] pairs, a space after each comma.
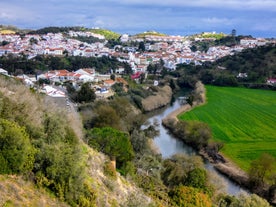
{"points": [[217, 21]]}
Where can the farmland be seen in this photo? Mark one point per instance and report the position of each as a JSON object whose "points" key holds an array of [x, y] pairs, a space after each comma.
{"points": [[243, 119]]}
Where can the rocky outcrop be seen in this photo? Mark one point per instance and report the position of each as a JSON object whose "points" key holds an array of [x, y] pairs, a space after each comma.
{"points": [[161, 98]]}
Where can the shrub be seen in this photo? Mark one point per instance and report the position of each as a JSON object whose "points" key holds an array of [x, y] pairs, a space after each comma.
{"points": [[184, 196], [16, 151]]}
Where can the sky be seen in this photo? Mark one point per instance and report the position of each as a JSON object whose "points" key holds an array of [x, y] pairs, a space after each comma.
{"points": [[173, 17]]}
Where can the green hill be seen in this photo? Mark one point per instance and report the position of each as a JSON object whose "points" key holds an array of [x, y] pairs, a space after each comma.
{"points": [[259, 63], [107, 33], [142, 35]]}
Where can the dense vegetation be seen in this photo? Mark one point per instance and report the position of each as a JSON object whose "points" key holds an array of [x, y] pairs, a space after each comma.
{"points": [[46, 30], [258, 63], [20, 64], [41, 145]]}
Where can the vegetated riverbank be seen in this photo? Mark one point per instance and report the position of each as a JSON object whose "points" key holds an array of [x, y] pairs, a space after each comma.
{"points": [[161, 98], [220, 163]]}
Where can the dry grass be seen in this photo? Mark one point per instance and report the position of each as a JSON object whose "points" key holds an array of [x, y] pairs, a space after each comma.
{"points": [[29, 103], [15, 191]]}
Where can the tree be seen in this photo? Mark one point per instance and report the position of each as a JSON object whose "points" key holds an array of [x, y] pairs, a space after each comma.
{"points": [[141, 46], [116, 144], [184, 196], [193, 48], [178, 167], [112, 77], [243, 200], [85, 94], [105, 116], [16, 151], [127, 68], [261, 170], [196, 178]]}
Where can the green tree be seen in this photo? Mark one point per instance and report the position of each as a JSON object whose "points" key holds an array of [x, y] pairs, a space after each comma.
{"points": [[243, 200], [141, 46], [105, 116], [16, 151], [177, 169], [261, 170], [112, 77], [193, 48], [196, 178], [85, 94], [116, 144], [184, 196]]}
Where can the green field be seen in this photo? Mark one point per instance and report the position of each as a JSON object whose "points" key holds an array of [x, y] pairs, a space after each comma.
{"points": [[243, 119]]}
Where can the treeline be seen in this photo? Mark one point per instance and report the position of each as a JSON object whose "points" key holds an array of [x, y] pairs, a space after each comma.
{"points": [[21, 64], [46, 30], [228, 41], [258, 64], [109, 35], [88, 40]]}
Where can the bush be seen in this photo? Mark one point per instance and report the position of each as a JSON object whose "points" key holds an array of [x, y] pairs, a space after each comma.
{"points": [[114, 143], [184, 196], [194, 133], [16, 151]]}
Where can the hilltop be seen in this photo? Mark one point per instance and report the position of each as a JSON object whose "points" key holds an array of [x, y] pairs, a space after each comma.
{"points": [[108, 34]]}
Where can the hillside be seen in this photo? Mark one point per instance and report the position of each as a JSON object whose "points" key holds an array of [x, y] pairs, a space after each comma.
{"points": [[258, 63], [16, 191], [107, 33], [52, 157], [143, 34]]}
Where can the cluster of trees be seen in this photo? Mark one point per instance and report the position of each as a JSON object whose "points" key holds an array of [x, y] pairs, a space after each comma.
{"points": [[88, 40], [258, 63], [194, 133], [46, 30], [84, 95], [21, 64], [221, 40], [262, 176]]}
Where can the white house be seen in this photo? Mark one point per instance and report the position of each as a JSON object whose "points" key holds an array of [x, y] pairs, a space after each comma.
{"points": [[3, 72], [248, 41], [85, 78], [271, 81], [50, 91]]}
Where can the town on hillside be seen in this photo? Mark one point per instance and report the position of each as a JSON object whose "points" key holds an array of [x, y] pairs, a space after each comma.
{"points": [[172, 50]]}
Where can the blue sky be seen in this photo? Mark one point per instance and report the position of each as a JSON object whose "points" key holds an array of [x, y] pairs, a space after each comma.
{"points": [[175, 17]]}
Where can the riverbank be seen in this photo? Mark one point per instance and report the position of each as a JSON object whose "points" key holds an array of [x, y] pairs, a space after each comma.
{"points": [[161, 98], [223, 165]]}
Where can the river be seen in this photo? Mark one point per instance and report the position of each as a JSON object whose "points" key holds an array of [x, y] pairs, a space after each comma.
{"points": [[169, 145]]}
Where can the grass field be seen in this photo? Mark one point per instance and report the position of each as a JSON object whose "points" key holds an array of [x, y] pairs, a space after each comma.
{"points": [[243, 119]]}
